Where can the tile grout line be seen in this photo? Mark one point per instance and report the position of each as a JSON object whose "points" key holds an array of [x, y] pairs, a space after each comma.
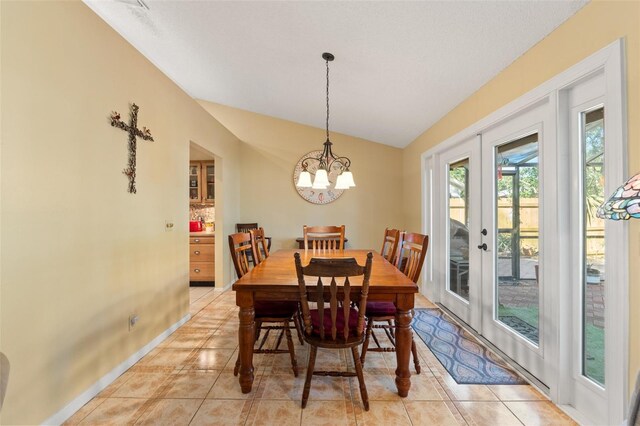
{"points": [[514, 414]]}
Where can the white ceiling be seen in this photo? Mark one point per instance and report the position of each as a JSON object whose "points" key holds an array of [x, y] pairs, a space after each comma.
{"points": [[399, 67]]}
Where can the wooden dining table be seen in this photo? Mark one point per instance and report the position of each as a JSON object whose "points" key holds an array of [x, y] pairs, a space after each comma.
{"points": [[275, 279]]}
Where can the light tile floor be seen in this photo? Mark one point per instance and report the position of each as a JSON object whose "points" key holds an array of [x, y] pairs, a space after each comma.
{"points": [[188, 379]]}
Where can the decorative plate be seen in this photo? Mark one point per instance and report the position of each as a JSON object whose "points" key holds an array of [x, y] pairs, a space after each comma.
{"points": [[317, 196]]}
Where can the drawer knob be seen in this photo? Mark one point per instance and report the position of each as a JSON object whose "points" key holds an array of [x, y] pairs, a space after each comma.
{"points": [[197, 240], [196, 270], [196, 252]]}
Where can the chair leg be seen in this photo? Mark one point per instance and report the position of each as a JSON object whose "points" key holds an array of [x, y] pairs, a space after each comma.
{"points": [[391, 328], [375, 339], [414, 351], [389, 332], [280, 338], [307, 382], [363, 387], [292, 353], [296, 323], [365, 345], [258, 329]]}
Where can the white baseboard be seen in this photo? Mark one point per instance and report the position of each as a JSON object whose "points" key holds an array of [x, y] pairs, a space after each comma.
{"points": [[107, 379], [228, 285]]}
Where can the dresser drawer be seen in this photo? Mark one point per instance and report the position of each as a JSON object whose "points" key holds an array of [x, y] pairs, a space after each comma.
{"points": [[202, 240], [201, 271], [201, 252]]}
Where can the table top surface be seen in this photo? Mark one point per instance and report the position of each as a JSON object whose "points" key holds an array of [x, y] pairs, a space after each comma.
{"points": [[278, 272]]}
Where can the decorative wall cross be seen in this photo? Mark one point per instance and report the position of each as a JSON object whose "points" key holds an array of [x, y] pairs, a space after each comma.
{"points": [[132, 129]]}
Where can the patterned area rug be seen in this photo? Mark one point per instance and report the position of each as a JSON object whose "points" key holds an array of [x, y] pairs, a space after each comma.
{"points": [[465, 358]]}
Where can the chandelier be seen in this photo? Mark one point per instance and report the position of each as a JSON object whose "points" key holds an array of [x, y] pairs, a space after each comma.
{"points": [[327, 160]]}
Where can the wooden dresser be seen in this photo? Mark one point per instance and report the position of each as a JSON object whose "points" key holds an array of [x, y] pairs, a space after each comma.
{"points": [[202, 256]]}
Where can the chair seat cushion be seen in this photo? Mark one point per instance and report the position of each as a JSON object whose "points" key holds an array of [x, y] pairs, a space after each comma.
{"points": [[267, 309], [353, 322], [380, 309]]}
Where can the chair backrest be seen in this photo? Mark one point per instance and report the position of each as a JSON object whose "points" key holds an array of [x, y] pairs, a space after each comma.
{"points": [[411, 253], [241, 247], [260, 246], [390, 244], [246, 227], [323, 237], [333, 268]]}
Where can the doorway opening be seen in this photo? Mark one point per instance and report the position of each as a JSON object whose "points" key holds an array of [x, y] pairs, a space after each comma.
{"points": [[202, 216]]}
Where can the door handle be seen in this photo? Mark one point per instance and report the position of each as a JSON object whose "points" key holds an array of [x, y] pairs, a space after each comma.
{"points": [[483, 246]]}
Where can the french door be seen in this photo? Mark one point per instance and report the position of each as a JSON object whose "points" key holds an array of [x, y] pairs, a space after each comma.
{"points": [[493, 228], [517, 250], [460, 169], [516, 169]]}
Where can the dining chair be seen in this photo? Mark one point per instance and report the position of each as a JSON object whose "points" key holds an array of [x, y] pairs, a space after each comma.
{"points": [[323, 237], [412, 249], [260, 251], [241, 252], [247, 227], [261, 247], [390, 245], [340, 325], [266, 312]]}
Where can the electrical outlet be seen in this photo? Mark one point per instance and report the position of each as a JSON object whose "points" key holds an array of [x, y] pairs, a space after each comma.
{"points": [[133, 320], [168, 225]]}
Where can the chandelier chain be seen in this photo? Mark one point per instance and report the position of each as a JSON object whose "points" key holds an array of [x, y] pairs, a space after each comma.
{"points": [[327, 99], [327, 160]]}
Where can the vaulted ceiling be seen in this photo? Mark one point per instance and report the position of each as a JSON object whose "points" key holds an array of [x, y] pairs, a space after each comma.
{"points": [[399, 67]]}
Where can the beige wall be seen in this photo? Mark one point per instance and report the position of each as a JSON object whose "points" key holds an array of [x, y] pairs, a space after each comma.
{"points": [[271, 148], [592, 28], [79, 253]]}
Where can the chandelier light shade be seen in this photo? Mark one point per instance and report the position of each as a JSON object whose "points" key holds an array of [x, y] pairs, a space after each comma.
{"points": [[341, 183], [327, 161], [304, 180], [322, 180], [624, 204]]}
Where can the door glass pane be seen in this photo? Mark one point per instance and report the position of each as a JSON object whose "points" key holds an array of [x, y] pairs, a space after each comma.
{"points": [[194, 178], [593, 283], [517, 196], [458, 228], [210, 181]]}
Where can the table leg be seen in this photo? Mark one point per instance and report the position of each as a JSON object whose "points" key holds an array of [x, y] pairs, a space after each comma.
{"points": [[246, 338], [404, 306]]}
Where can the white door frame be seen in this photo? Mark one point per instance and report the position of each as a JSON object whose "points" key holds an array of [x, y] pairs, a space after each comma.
{"points": [[611, 60]]}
